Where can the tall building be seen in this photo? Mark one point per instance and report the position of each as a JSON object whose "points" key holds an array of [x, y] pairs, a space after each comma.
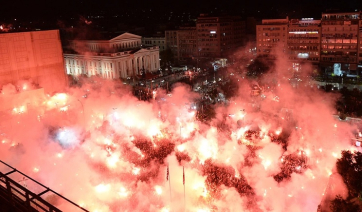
{"points": [[172, 42], [213, 37], [360, 45], [119, 57], [270, 34], [218, 36], [35, 56], [187, 43], [334, 43], [303, 40], [339, 41]]}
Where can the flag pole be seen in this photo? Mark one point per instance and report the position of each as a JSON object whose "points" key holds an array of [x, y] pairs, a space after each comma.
{"points": [[169, 181], [183, 175]]}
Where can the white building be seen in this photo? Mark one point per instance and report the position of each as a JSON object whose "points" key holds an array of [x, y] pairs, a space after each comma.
{"points": [[154, 41], [119, 57]]}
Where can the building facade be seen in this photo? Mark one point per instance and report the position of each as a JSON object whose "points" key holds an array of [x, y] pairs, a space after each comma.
{"points": [[154, 41], [120, 57], [339, 41], [270, 34], [218, 36], [334, 43], [303, 41], [187, 43], [171, 38], [35, 56], [360, 44], [213, 37]]}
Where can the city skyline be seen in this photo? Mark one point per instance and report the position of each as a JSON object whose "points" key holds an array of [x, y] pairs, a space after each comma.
{"points": [[57, 9]]}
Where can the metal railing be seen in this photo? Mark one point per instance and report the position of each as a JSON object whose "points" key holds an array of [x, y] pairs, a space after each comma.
{"points": [[22, 199]]}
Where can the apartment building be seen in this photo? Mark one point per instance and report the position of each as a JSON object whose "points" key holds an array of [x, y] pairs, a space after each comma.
{"points": [[303, 40], [270, 34]]}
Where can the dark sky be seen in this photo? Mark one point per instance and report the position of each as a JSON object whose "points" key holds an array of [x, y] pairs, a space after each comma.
{"points": [[53, 8]]}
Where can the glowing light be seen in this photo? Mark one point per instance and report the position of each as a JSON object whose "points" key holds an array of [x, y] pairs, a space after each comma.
{"points": [[181, 148], [203, 210], [59, 155], [277, 132], [65, 108], [123, 192], [207, 150], [112, 160], [165, 210], [35, 169], [136, 171], [266, 164], [67, 137], [158, 190], [102, 188]]}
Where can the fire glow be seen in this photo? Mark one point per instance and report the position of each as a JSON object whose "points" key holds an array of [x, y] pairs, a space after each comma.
{"points": [[108, 151]]}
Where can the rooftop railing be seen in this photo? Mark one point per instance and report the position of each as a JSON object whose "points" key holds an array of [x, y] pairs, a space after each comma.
{"points": [[20, 198]]}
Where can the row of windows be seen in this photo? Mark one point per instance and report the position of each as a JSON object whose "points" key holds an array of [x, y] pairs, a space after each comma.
{"points": [[272, 34], [338, 47], [311, 54], [303, 41], [303, 47], [303, 30], [153, 42], [339, 35], [339, 59], [310, 58], [339, 40]]}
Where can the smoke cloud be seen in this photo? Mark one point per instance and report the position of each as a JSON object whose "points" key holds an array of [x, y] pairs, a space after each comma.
{"points": [[104, 149]]}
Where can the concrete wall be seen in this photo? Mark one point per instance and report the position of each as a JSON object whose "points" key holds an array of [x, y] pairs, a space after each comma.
{"points": [[37, 56]]}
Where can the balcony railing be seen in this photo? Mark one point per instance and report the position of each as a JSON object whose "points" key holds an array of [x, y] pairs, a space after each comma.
{"points": [[21, 198]]}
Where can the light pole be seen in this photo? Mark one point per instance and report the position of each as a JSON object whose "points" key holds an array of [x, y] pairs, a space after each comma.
{"points": [[82, 111]]}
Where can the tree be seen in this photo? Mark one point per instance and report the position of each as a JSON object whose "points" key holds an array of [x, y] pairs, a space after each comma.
{"points": [[341, 205], [349, 166], [166, 57]]}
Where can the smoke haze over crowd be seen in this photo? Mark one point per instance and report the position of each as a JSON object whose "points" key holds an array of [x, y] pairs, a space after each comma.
{"points": [[104, 149]]}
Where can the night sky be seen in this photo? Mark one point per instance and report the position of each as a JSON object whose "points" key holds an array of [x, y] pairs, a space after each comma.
{"points": [[256, 8]]}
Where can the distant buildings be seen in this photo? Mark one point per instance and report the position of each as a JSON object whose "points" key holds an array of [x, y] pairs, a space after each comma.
{"points": [[219, 36], [269, 35], [35, 56], [303, 40], [334, 42], [154, 41], [339, 40], [119, 57], [213, 37]]}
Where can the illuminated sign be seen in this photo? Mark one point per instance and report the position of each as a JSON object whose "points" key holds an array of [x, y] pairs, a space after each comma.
{"points": [[307, 19], [213, 32], [304, 32], [303, 55]]}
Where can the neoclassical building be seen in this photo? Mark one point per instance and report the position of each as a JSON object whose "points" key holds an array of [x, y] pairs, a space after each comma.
{"points": [[119, 57]]}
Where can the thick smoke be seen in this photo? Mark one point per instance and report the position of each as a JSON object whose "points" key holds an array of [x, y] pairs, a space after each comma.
{"points": [[101, 147]]}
